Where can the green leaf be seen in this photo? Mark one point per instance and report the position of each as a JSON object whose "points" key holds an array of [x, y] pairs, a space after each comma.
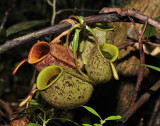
{"points": [[150, 30], [90, 30], [149, 66], [96, 124], [86, 125], [113, 118], [92, 111], [80, 18], [32, 124], [23, 26], [75, 41], [157, 18], [63, 119], [33, 102]]}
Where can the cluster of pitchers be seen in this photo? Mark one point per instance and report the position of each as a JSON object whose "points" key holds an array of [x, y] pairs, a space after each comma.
{"points": [[59, 82]]}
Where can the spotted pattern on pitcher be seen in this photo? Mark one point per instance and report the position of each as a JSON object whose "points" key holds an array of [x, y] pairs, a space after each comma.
{"points": [[98, 68], [68, 92]]}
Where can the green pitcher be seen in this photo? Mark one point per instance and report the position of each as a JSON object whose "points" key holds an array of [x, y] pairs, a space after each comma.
{"points": [[100, 67], [63, 88]]}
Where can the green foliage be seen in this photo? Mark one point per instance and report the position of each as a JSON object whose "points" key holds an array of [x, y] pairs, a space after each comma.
{"points": [[44, 114], [150, 30], [149, 66], [91, 110], [24, 26], [32, 124], [78, 28], [75, 41], [113, 117], [86, 125]]}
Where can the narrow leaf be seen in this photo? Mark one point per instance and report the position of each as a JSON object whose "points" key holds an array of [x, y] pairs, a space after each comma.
{"points": [[32, 124], [86, 125], [149, 66], [157, 18], [149, 31], [113, 118], [80, 18], [63, 119], [75, 41], [92, 111], [96, 124], [33, 102], [90, 30], [24, 26]]}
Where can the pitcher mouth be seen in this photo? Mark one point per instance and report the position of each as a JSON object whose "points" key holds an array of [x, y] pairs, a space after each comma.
{"points": [[38, 52], [108, 52], [48, 76]]}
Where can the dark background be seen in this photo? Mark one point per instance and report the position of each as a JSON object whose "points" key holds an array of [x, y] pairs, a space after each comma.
{"points": [[17, 87]]}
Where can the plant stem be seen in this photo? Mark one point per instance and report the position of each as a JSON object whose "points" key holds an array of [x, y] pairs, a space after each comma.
{"points": [[54, 12]]}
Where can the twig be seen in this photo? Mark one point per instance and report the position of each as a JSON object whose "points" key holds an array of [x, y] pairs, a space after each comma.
{"points": [[142, 68], [126, 44], [132, 13], [65, 10], [142, 100], [55, 29], [54, 12], [58, 28], [49, 2], [5, 17], [155, 112], [130, 42], [135, 28]]}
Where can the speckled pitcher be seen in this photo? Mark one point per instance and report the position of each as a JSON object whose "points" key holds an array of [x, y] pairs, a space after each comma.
{"points": [[99, 63], [63, 88]]}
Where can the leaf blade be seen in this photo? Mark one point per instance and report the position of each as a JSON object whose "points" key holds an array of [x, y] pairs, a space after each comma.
{"points": [[149, 66], [113, 117], [75, 41], [91, 110], [32, 124], [24, 26], [86, 125]]}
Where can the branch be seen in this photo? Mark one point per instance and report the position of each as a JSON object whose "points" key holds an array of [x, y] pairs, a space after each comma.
{"points": [[58, 28], [7, 108], [132, 13], [5, 17], [142, 68], [142, 100], [155, 112]]}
